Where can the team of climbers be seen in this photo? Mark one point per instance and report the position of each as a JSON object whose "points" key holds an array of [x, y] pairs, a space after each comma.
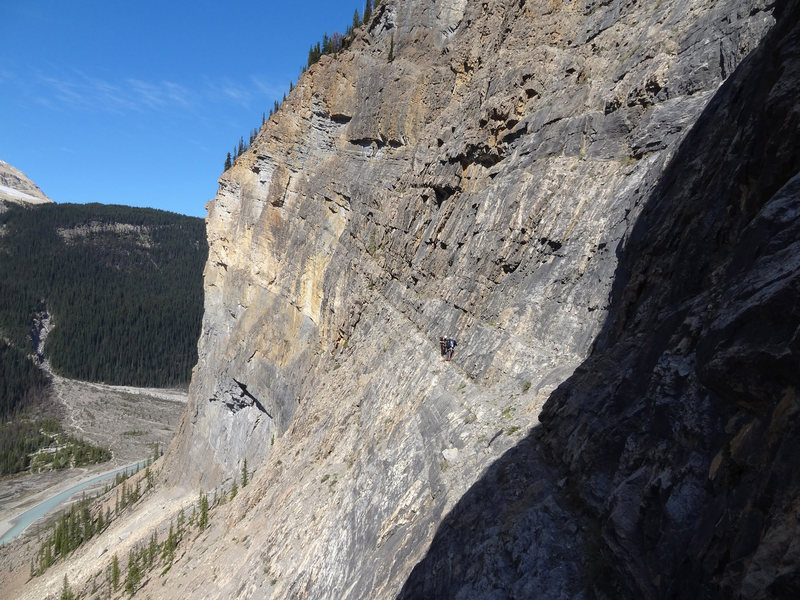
{"points": [[448, 347]]}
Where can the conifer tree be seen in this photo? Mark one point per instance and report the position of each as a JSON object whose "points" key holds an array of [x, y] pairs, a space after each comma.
{"points": [[87, 525], [244, 473], [66, 593], [234, 489], [356, 19], [367, 12], [313, 54], [169, 545], [228, 161], [134, 574], [151, 549], [114, 572], [202, 522]]}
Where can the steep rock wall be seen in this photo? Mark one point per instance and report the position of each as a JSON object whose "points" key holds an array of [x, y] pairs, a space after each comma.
{"points": [[479, 185], [678, 434], [673, 443]]}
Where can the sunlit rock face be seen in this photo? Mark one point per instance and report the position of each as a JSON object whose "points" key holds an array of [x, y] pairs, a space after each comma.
{"points": [[17, 188], [484, 184]]}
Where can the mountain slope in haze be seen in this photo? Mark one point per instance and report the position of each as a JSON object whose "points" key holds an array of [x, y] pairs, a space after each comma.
{"points": [[15, 187], [116, 291]]}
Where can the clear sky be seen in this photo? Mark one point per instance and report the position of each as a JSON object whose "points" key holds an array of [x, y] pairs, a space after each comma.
{"points": [[137, 102]]}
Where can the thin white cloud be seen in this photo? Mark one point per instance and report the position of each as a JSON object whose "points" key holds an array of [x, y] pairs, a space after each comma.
{"points": [[162, 95], [114, 97], [226, 91], [64, 91], [236, 93], [177, 94], [46, 102], [75, 89], [268, 88]]}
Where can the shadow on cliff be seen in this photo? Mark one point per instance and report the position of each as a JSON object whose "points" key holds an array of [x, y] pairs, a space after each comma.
{"points": [[663, 467]]}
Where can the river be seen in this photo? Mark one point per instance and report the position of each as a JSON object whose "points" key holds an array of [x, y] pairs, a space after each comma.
{"points": [[23, 521]]}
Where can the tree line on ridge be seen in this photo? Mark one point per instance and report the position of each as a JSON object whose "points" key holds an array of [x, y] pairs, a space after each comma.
{"points": [[332, 44]]}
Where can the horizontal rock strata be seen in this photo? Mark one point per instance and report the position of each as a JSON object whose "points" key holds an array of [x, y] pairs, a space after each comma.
{"points": [[485, 185]]}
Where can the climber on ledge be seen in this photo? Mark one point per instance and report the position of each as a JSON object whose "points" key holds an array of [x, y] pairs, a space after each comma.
{"points": [[447, 347]]}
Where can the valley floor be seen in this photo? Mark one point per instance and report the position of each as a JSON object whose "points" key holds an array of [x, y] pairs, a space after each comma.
{"points": [[129, 421]]}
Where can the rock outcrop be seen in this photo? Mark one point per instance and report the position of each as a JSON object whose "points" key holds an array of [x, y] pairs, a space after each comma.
{"points": [[15, 187], [600, 186]]}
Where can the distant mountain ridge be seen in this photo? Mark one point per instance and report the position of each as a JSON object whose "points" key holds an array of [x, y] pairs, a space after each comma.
{"points": [[15, 187]]}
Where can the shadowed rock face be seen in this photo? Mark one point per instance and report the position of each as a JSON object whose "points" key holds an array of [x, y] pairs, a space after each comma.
{"points": [[520, 178], [677, 434]]}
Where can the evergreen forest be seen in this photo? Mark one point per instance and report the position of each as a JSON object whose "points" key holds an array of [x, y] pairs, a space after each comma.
{"points": [[21, 381], [122, 286], [43, 445]]}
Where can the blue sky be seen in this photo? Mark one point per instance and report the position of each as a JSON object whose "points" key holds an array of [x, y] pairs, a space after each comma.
{"points": [[137, 102]]}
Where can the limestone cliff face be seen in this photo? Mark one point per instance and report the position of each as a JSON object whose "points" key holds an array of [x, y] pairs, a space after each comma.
{"points": [[480, 185]]}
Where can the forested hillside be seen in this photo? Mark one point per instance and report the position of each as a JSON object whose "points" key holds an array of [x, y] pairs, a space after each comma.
{"points": [[21, 381], [122, 287]]}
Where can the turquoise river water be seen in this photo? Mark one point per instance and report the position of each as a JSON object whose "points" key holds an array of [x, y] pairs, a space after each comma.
{"points": [[23, 521]]}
